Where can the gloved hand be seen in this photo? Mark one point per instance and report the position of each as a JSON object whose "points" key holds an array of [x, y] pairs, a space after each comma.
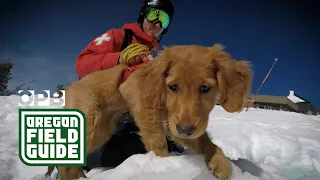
{"points": [[135, 54]]}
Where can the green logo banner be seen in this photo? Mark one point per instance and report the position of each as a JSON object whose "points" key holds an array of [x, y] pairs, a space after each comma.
{"points": [[52, 137]]}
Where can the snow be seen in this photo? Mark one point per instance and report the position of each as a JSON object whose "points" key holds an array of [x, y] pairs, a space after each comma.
{"points": [[294, 98], [261, 144]]}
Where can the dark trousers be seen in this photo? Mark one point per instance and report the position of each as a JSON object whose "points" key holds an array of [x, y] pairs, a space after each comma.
{"points": [[124, 142]]}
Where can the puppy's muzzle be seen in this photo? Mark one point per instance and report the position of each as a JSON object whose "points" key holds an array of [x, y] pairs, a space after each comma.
{"points": [[185, 130]]}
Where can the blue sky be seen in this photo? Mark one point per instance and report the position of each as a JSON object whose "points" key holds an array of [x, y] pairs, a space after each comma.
{"points": [[43, 38]]}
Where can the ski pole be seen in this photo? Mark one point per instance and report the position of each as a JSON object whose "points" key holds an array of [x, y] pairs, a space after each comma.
{"points": [[254, 97]]}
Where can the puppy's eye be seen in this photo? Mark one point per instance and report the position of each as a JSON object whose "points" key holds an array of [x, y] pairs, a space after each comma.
{"points": [[204, 89], [174, 87]]}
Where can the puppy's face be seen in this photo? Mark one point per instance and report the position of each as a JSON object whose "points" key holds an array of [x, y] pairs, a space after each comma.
{"points": [[186, 80], [191, 91]]}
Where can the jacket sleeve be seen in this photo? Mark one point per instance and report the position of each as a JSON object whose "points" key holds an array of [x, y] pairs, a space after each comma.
{"points": [[101, 53]]}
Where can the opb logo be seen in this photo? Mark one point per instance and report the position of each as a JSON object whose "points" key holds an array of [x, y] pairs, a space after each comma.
{"points": [[29, 98]]}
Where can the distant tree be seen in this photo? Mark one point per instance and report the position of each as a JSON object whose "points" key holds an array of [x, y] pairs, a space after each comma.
{"points": [[20, 87], [5, 76], [58, 88], [62, 87]]}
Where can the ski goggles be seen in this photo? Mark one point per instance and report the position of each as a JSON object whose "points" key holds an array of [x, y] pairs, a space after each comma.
{"points": [[158, 15]]}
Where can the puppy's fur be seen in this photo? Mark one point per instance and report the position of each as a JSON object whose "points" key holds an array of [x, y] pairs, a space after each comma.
{"points": [[50, 170], [171, 96]]}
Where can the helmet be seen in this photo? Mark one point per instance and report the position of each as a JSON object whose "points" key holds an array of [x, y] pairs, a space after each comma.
{"points": [[165, 5]]}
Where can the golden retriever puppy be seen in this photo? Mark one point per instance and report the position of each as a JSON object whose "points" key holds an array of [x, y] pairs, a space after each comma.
{"points": [[170, 96]]}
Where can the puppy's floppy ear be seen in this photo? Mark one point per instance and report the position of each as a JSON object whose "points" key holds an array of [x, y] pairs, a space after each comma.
{"points": [[234, 78], [152, 82]]}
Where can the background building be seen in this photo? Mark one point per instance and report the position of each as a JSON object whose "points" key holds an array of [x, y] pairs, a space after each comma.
{"points": [[292, 103]]}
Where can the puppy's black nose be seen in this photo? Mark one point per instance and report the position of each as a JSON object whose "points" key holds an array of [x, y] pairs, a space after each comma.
{"points": [[185, 130]]}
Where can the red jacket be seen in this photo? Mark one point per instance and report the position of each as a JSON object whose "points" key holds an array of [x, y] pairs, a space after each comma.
{"points": [[103, 52]]}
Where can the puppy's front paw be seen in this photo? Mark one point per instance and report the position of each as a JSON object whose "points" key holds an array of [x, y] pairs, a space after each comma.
{"points": [[156, 143], [220, 166]]}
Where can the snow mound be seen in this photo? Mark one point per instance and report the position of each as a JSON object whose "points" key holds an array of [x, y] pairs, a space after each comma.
{"points": [[183, 167], [149, 166]]}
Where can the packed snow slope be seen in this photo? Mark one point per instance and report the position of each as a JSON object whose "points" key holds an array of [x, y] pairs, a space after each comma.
{"points": [[262, 144]]}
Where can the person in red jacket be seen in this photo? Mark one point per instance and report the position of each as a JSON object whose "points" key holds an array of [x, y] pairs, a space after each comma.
{"points": [[104, 51], [112, 48]]}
